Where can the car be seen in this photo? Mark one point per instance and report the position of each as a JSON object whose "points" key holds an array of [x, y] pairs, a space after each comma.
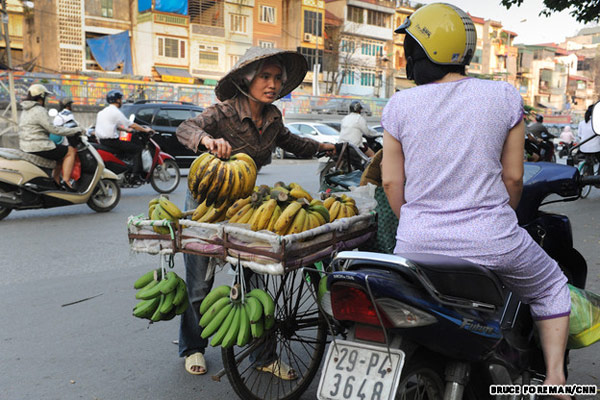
{"points": [[164, 117], [315, 130], [340, 107], [279, 152], [335, 125], [377, 128]]}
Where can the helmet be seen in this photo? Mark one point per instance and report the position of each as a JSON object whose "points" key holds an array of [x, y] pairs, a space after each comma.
{"points": [[445, 32], [539, 118], [113, 96], [65, 102], [355, 106], [38, 90]]}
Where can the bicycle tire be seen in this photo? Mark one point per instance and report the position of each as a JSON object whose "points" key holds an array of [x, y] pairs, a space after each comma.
{"points": [[586, 169], [296, 316]]}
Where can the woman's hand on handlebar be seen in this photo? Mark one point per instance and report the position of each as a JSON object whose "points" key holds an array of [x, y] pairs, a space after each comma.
{"points": [[327, 148], [219, 147]]}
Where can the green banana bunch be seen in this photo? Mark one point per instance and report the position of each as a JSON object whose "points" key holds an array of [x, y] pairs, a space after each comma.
{"points": [[161, 298]]}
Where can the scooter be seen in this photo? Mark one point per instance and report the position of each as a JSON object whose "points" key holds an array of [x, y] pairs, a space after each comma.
{"points": [[26, 181], [160, 168]]}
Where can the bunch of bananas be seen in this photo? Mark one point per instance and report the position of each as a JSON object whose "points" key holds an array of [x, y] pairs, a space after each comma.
{"points": [[161, 299], [161, 208], [279, 209], [215, 182], [210, 214], [233, 321], [340, 207]]}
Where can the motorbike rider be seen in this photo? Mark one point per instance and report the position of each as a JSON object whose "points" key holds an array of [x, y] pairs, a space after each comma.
{"points": [[243, 121], [452, 207], [539, 135], [110, 121], [64, 118], [354, 126], [35, 128]]}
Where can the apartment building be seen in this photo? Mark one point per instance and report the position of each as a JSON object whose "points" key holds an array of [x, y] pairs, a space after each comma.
{"points": [[268, 30], [16, 13]]}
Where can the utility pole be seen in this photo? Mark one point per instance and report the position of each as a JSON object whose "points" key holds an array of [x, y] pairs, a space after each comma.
{"points": [[11, 82]]}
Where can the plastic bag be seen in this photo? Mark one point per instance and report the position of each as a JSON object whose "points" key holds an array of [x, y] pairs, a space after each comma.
{"points": [[146, 160], [76, 173], [584, 322]]}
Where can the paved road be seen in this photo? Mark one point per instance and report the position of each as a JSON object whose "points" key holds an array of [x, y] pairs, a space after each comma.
{"points": [[95, 349]]}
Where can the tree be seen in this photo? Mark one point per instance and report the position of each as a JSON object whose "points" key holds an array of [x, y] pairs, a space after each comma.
{"points": [[582, 10]]}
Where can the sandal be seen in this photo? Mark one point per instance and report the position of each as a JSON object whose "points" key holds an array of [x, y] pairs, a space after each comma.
{"points": [[280, 370], [195, 360]]}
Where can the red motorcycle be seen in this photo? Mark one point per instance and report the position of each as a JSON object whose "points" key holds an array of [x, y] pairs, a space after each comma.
{"points": [[159, 168]]}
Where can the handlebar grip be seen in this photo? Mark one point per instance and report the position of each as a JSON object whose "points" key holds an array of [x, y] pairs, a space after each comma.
{"points": [[589, 180]]}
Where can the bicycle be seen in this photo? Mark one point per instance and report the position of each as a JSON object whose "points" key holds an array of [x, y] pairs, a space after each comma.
{"points": [[590, 166]]}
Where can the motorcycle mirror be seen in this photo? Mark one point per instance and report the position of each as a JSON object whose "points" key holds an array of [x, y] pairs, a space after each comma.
{"points": [[596, 119], [53, 112], [131, 117]]}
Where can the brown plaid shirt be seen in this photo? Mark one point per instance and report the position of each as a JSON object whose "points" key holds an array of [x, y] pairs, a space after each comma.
{"points": [[232, 121]]}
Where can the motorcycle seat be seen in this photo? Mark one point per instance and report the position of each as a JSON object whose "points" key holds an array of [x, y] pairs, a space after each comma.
{"points": [[459, 278], [16, 154]]}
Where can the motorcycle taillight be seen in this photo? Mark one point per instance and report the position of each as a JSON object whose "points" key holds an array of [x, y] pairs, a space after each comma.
{"points": [[352, 303]]}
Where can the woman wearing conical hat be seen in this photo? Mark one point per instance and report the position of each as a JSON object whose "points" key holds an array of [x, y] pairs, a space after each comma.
{"points": [[245, 121]]}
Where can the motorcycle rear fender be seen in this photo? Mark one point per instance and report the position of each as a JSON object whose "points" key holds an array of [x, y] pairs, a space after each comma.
{"points": [[18, 172], [162, 156], [108, 174]]}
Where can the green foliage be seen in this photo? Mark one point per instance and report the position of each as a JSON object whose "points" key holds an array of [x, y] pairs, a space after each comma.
{"points": [[581, 10]]}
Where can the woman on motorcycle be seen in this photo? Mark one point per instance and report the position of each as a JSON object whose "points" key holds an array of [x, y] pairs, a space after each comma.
{"points": [[35, 128], [244, 121], [453, 171]]}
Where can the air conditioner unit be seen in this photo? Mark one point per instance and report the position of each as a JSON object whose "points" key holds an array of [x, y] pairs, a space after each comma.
{"points": [[308, 37]]}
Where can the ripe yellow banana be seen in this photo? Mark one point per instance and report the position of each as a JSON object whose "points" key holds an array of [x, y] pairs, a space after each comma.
{"points": [[246, 158], [334, 210], [263, 215], [299, 193], [192, 173], [170, 208], [248, 177], [287, 217], [215, 186], [241, 212], [328, 202], [349, 210], [203, 164], [200, 211], [274, 217], [237, 206], [236, 184], [225, 191], [206, 180], [320, 209], [298, 224]]}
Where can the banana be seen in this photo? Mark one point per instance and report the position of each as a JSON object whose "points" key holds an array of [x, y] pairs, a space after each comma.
{"points": [[232, 333], [244, 334], [347, 199], [287, 217], [146, 308], [276, 214], [349, 210], [153, 202], [224, 192], [321, 209], [156, 316], [236, 183], [208, 316], [167, 304], [254, 309], [334, 210], [207, 180], [215, 185], [169, 283], [149, 291], [214, 214], [180, 292], [235, 207], [321, 220], [245, 219], [307, 222], [180, 309], [246, 158], [200, 211], [241, 212], [268, 323], [168, 316], [151, 210], [313, 221], [170, 208], [192, 172], [299, 193], [216, 322], [257, 329], [248, 177], [212, 296], [200, 171], [328, 202], [266, 300], [298, 224], [224, 328], [264, 214], [144, 279]]}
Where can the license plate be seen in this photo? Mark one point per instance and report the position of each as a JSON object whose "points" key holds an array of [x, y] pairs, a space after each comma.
{"points": [[357, 371]]}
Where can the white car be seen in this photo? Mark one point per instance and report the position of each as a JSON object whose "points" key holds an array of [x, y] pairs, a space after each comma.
{"points": [[317, 131]]}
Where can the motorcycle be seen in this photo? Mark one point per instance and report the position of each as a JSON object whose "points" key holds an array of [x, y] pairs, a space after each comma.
{"points": [[374, 142], [544, 148], [565, 148], [160, 168], [26, 181]]}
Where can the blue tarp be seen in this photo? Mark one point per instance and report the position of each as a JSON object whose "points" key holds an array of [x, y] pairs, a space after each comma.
{"points": [[172, 6], [111, 50], [144, 5]]}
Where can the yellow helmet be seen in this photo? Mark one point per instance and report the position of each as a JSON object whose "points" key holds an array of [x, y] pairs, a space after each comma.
{"points": [[38, 90], [445, 32]]}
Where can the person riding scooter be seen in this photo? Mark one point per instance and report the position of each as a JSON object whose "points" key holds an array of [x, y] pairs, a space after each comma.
{"points": [[35, 128], [539, 135], [354, 127], [108, 124]]}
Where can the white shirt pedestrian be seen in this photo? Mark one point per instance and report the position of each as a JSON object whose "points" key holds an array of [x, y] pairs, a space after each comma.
{"points": [[585, 131], [107, 121]]}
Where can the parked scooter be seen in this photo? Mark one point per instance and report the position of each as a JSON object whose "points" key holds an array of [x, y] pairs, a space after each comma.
{"points": [[159, 168], [26, 181]]}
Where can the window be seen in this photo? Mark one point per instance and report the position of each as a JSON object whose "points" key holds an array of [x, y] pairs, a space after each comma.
{"points": [[309, 54], [162, 118], [239, 23], [267, 14], [208, 55], [171, 48], [355, 14], [348, 77], [233, 59], [377, 18], [371, 48], [178, 116], [348, 46], [107, 8], [265, 44], [476, 57], [144, 115], [206, 12], [307, 129], [367, 78], [313, 22]]}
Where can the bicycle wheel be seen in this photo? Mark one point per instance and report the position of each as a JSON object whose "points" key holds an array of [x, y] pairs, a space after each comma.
{"points": [[586, 169], [297, 338]]}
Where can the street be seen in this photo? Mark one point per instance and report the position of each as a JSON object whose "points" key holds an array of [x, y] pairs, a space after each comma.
{"points": [[66, 289]]}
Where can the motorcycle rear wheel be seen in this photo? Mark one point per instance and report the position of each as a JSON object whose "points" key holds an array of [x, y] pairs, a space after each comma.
{"points": [[586, 169], [422, 379], [165, 177], [106, 196]]}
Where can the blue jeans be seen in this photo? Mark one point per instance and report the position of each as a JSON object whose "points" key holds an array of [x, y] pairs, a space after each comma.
{"points": [[190, 341]]}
